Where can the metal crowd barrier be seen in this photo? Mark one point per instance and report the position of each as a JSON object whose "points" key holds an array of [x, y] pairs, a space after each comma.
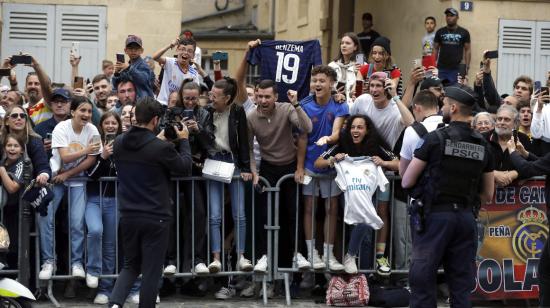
{"points": [[284, 273], [272, 227], [189, 274]]}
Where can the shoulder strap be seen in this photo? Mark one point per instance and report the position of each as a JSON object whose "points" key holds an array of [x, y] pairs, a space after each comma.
{"points": [[419, 129]]}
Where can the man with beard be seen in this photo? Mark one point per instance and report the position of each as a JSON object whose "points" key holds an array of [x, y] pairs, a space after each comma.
{"points": [[37, 87], [126, 93], [450, 175], [102, 89], [176, 70], [507, 121]]}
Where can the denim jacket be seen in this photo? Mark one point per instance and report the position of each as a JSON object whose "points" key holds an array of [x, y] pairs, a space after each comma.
{"points": [[141, 75]]}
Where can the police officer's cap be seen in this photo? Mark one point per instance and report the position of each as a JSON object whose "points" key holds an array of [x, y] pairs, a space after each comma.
{"points": [[462, 94]]}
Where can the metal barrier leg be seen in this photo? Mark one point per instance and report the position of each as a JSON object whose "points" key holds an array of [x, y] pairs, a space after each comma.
{"points": [[287, 289], [264, 289], [50, 294]]}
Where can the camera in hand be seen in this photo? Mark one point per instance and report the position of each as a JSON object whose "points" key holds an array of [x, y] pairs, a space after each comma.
{"points": [[172, 119]]}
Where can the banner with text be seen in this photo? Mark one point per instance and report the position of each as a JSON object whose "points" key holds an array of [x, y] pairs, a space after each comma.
{"points": [[512, 230]]}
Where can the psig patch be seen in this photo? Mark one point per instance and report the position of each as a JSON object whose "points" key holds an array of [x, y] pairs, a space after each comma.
{"points": [[464, 150]]}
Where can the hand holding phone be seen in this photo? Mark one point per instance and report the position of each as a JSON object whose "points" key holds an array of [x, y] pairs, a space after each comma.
{"points": [[120, 57], [360, 58], [78, 82], [462, 70], [21, 59], [492, 54]]}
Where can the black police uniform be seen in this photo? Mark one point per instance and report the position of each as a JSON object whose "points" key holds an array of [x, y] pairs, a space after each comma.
{"points": [[456, 157]]}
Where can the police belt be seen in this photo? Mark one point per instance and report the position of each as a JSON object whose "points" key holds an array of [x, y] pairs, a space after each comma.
{"points": [[449, 207]]}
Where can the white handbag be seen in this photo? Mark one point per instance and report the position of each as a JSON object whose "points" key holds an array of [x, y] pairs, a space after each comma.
{"points": [[218, 170]]}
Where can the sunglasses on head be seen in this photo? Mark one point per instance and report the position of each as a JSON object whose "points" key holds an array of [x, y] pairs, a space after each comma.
{"points": [[18, 115]]}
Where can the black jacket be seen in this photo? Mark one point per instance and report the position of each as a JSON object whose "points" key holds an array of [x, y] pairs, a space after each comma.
{"points": [[238, 136], [536, 166], [145, 165]]}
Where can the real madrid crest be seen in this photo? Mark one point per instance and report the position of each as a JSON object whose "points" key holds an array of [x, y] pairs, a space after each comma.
{"points": [[529, 237]]}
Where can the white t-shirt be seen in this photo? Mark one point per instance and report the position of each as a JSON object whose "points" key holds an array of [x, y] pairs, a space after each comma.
{"points": [[358, 178], [411, 138], [173, 77], [387, 120], [63, 136]]}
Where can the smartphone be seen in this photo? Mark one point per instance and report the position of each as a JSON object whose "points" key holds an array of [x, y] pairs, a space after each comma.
{"points": [[48, 136], [75, 49], [358, 88], [78, 82], [417, 63], [96, 139], [515, 134], [120, 57], [219, 55], [307, 179], [544, 91], [5, 72], [493, 54], [462, 70], [109, 138], [188, 114], [360, 58], [538, 85], [20, 59]]}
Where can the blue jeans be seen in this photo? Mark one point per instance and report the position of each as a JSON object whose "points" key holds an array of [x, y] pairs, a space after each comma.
{"points": [[77, 206], [360, 233], [236, 190], [450, 74], [101, 222]]}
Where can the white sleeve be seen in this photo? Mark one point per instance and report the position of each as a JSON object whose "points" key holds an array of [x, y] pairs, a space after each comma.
{"points": [[381, 178], [537, 123], [340, 178], [60, 138], [410, 139]]}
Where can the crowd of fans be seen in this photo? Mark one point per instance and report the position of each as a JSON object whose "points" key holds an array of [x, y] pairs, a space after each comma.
{"points": [[67, 133]]}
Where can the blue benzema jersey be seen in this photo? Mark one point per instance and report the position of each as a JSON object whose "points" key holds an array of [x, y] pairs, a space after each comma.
{"points": [[288, 63]]}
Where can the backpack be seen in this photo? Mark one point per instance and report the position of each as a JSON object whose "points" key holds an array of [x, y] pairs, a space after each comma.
{"points": [[348, 290], [419, 129]]}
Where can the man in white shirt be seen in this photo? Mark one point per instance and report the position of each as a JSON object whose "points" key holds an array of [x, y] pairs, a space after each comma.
{"points": [[384, 108], [540, 124]]}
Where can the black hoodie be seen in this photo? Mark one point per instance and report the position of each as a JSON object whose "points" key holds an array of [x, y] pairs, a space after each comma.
{"points": [[144, 166]]}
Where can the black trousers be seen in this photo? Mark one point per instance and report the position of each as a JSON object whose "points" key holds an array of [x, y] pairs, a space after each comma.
{"points": [[449, 239], [287, 210], [144, 244]]}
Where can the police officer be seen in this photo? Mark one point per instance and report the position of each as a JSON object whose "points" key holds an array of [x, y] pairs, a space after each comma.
{"points": [[451, 172]]}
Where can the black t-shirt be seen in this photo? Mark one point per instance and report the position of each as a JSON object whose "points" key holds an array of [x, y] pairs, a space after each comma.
{"points": [[451, 46], [366, 39]]}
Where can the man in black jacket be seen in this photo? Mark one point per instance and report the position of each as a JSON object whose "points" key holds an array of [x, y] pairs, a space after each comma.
{"points": [[145, 164], [536, 167]]}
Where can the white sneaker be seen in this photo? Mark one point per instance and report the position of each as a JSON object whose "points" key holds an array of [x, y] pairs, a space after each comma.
{"points": [[302, 263], [261, 265], [91, 281], [46, 272], [225, 293], [333, 264], [249, 291], [158, 300], [244, 265], [318, 263], [78, 271], [349, 264], [101, 299], [201, 269], [170, 270], [215, 266]]}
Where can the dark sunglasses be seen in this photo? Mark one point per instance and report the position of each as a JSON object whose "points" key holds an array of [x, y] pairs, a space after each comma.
{"points": [[18, 115]]}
